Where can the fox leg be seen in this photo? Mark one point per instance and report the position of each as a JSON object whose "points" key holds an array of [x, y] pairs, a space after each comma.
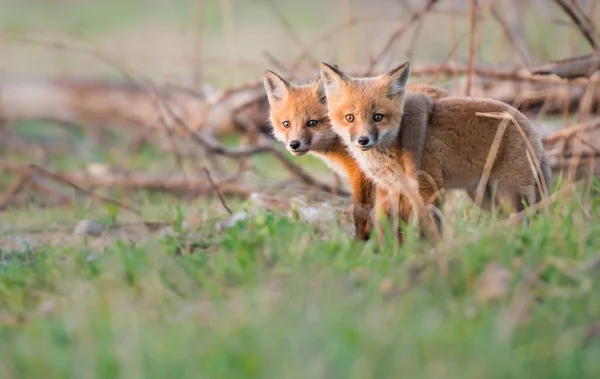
{"points": [[388, 208], [429, 221], [488, 201], [363, 193]]}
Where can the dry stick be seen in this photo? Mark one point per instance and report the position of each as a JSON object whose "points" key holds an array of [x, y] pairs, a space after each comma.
{"points": [[215, 148], [413, 41], [580, 23], [399, 33], [518, 217], [572, 130], [14, 189], [197, 47], [545, 191], [586, 102], [94, 195], [137, 180], [323, 38], [212, 183], [228, 32], [517, 74], [275, 62], [509, 115], [288, 27], [508, 33], [450, 55], [487, 168], [472, 14]]}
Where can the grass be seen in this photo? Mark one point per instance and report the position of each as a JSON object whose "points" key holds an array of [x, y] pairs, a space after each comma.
{"points": [[273, 297]]}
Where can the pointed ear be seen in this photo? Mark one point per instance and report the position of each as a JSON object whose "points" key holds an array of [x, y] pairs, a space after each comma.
{"points": [[319, 88], [396, 79], [333, 79], [277, 88]]}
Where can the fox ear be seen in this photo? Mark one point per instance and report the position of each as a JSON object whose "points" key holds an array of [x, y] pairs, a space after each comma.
{"points": [[396, 79], [277, 88], [319, 88], [332, 78]]}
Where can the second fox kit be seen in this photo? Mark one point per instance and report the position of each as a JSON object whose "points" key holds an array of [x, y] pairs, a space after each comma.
{"points": [[298, 115], [367, 113]]}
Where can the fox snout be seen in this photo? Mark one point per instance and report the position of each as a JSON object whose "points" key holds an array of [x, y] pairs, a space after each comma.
{"points": [[365, 141], [298, 147]]}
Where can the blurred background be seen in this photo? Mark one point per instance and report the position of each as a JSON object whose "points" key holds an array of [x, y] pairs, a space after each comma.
{"points": [[225, 42], [90, 87]]}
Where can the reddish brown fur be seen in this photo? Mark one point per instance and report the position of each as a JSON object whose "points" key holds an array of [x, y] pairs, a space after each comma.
{"points": [[457, 144], [300, 103]]}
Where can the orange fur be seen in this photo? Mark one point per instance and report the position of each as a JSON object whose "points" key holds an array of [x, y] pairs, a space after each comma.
{"points": [[457, 142], [300, 103]]}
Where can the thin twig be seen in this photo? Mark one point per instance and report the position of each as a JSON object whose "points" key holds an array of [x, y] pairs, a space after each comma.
{"points": [[13, 190], [397, 34], [472, 25], [583, 27], [518, 45], [60, 179], [214, 186], [288, 27]]}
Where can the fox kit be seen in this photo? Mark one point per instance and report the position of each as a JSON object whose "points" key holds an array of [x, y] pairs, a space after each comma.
{"points": [[371, 114], [298, 115]]}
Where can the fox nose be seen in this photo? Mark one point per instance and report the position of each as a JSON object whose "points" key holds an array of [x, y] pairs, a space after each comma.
{"points": [[294, 144], [363, 140]]}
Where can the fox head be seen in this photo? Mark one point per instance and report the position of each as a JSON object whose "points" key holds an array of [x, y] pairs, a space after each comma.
{"points": [[298, 114], [365, 112]]}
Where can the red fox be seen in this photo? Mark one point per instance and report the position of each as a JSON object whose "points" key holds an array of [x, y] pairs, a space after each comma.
{"points": [[298, 115], [368, 114]]}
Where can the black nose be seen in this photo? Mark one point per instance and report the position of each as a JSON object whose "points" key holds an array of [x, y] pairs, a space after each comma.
{"points": [[294, 144], [363, 140]]}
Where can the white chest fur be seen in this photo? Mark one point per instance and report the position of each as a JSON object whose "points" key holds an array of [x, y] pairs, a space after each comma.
{"points": [[381, 166]]}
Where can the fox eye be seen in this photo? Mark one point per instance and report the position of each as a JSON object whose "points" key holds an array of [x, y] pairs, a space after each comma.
{"points": [[286, 124], [311, 123], [349, 117], [377, 117]]}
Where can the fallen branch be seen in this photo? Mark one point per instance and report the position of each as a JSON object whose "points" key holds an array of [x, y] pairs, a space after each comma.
{"points": [[134, 180]]}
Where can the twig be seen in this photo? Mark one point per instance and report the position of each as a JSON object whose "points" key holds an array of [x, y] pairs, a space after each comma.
{"points": [[288, 27], [445, 61], [397, 34], [518, 217], [134, 179], [217, 148], [61, 179], [516, 43], [472, 25], [580, 23], [13, 190], [570, 131], [214, 186], [516, 74], [275, 62]]}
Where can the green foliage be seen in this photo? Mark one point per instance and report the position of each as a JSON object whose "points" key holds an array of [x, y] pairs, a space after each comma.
{"points": [[272, 297]]}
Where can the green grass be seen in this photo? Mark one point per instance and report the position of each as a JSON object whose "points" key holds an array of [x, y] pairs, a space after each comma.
{"points": [[273, 297]]}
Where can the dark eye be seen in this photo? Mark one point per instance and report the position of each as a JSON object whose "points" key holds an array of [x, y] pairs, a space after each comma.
{"points": [[349, 117], [377, 117], [311, 123], [286, 124]]}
